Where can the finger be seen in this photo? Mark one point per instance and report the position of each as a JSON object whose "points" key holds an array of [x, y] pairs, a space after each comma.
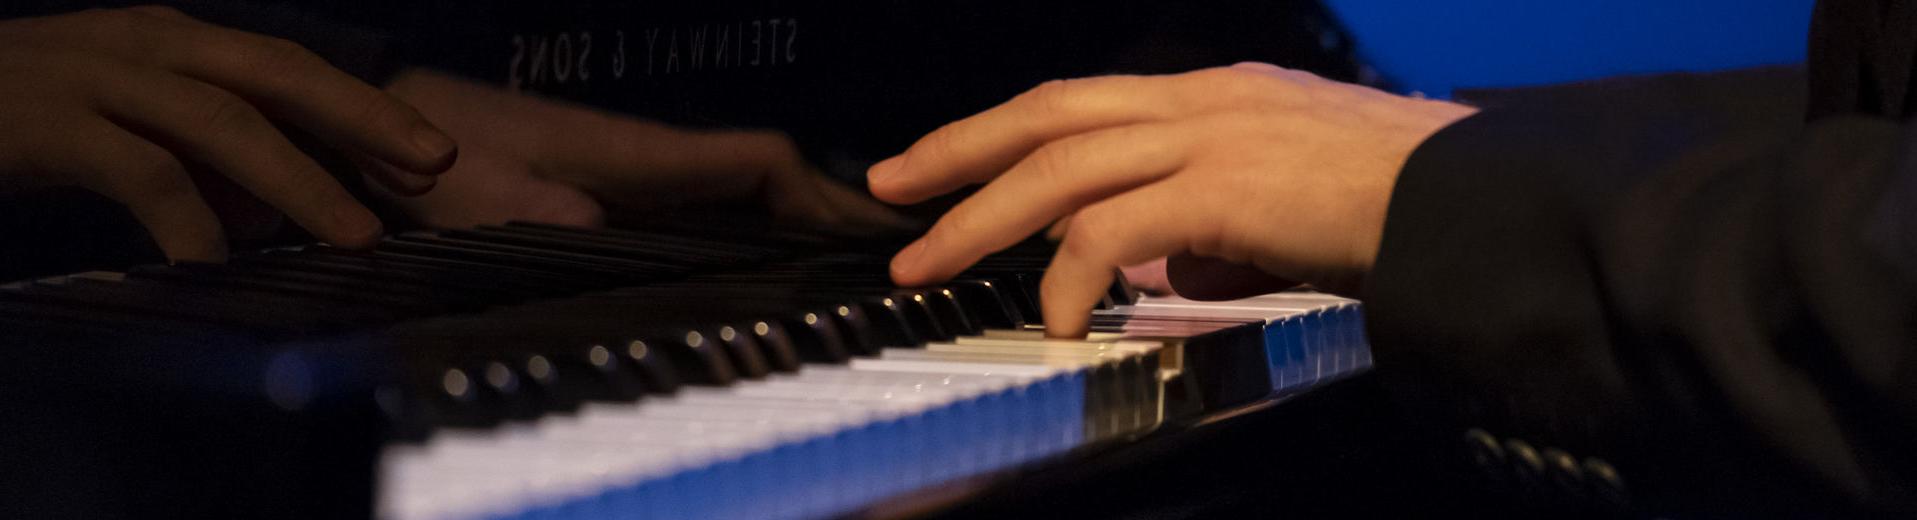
{"points": [[155, 188], [161, 11], [649, 159], [1128, 229], [797, 199], [1054, 180], [629, 159], [1058, 229], [1212, 279], [976, 149], [282, 79], [491, 189], [860, 214], [205, 124]]}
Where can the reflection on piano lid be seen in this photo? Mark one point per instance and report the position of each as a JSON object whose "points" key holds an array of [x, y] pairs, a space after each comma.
{"points": [[850, 80], [544, 372]]}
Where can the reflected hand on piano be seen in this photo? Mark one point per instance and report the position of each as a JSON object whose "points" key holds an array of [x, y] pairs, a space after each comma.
{"points": [[1252, 163], [121, 101], [532, 159]]}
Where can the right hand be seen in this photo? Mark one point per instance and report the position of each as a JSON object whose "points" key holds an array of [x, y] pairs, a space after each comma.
{"points": [[119, 101], [1279, 169]]}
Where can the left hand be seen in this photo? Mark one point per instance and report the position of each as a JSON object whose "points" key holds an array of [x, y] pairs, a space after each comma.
{"points": [[1251, 164], [528, 158]]}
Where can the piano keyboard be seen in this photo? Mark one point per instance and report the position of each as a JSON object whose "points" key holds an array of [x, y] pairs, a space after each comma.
{"points": [[710, 371]]}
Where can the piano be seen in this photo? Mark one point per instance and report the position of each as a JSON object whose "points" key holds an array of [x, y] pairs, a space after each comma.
{"points": [[709, 371], [704, 366]]}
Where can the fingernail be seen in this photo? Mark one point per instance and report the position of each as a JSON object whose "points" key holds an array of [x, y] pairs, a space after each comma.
{"points": [[907, 258], [434, 145], [884, 171]]}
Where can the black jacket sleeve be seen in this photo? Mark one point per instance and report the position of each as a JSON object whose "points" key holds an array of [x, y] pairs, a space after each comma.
{"points": [[1671, 276]]}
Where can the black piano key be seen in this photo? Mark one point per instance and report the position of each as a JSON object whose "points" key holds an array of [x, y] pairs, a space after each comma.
{"points": [[560, 282], [780, 352], [490, 289], [685, 349], [809, 328], [918, 306], [553, 375], [255, 313], [987, 301], [523, 259], [748, 357], [453, 397], [667, 254], [413, 299], [624, 371], [732, 252], [727, 227], [96, 321], [615, 263]]}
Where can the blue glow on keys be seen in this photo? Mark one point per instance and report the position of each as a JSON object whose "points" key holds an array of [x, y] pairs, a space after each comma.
{"points": [[830, 439]]}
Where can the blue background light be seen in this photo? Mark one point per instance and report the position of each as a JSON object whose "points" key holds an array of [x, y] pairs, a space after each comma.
{"points": [[1437, 46]]}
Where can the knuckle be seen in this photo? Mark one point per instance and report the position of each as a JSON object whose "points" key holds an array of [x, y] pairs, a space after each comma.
{"points": [[107, 21], [152, 175], [220, 110], [114, 17], [1209, 240], [1052, 164], [1052, 97], [276, 57], [377, 111], [371, 111], [776, 147], [960, 222], [163, 11], [942, 144], [1219, 75], [578, 214], [1240, 85], [1089, 236], [774, 141], [1226, 234], [279, 49]]}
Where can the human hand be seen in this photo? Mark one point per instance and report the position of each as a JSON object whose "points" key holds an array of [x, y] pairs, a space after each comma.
{"points": [[528, 158], [121, 101], [1251, 164]]}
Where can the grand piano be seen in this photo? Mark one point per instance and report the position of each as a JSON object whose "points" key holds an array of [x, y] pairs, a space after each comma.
{"points": [[711, 365]]}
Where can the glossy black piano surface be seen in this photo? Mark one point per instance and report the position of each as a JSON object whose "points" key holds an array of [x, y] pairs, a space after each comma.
{"points": [[855, 82]]}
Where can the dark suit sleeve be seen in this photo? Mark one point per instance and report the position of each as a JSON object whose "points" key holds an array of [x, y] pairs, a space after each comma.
{"points": [[1673, 276]]}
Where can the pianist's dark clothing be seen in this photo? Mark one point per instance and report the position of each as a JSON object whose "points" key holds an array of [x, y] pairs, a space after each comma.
{"points": [[1688, 277]]}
